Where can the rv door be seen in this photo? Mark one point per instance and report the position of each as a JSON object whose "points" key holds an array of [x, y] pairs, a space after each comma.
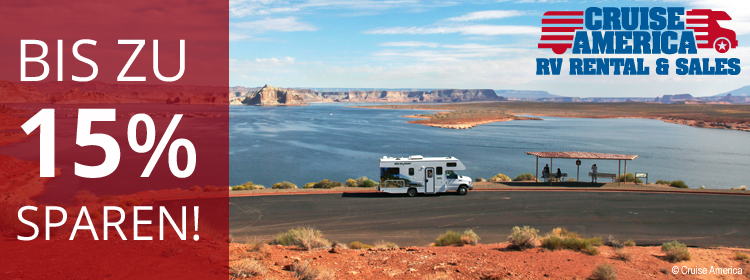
{"points": [[429, 180]]}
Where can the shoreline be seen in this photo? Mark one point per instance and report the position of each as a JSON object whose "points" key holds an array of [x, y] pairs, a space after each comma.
{"points": [[469, 116], [506, 186]]}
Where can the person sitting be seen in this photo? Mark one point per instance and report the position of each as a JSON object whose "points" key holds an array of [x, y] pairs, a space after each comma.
{"points": [[559, 175]]}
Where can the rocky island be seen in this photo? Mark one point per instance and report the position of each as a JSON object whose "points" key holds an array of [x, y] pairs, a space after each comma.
{"points": [[271, 96]]}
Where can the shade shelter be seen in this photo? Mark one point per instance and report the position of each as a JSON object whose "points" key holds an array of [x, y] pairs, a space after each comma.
{"points": [[582, 155]]}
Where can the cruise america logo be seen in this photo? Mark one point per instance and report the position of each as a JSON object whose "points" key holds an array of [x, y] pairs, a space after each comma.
{"points": [[640, 31]]}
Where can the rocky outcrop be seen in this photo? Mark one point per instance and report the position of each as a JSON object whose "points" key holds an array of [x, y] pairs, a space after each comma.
{"points": [[442, 95], [669, 99], [271, 96], [76, 96], [13, 93]]}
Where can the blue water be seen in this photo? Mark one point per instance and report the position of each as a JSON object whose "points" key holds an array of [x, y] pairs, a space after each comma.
{"points": [[331, 141]]}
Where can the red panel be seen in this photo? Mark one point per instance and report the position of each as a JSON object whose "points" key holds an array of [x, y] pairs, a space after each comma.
{"points": [[200, 95]]}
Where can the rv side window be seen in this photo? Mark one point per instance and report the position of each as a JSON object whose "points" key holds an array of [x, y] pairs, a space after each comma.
{"points": [[411, 171], [451, 164], [393, 170], [439, 170]]}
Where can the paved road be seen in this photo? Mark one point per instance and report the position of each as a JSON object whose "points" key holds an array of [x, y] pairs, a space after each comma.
{"points": [[648, 218]]}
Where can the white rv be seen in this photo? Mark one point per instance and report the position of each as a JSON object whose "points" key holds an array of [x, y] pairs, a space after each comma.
{"points": [[418, 174]]}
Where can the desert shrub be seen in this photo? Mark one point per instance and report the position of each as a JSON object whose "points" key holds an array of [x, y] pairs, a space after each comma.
{"points": [[249, 185], [327, 184], [129, 202], [284, 185], [356, 245], [629, 243], [303, 270], [523, 238], [84, 197], [678, 184], [590, 249], [676, 251], [629, 177], [449, 238], [210, 188], [623, 255], [604, 271], [382, 244], [500, 178], [351, 183], [361, 180], [246, 268], [525, 177], [95, 214], [480, 179], [561, 238], [741, 256], [368, 184], [470, 238], [614, 243], [309, 185], [304, 237]]}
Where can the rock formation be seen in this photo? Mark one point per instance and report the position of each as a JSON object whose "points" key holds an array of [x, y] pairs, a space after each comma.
{"points": [[13, 93], [271, 96], [442, 95]]}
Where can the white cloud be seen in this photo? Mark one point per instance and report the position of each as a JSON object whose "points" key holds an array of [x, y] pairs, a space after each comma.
{"points": [[479, 29], [410, 44], [485, 15], [287, 24], [739, 10], [243, 8], [448, 52]]}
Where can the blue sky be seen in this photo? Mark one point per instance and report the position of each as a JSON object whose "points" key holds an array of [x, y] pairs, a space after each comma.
{"points": [[440, 44]]}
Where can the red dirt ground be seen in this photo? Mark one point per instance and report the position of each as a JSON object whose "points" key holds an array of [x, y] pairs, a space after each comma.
{"points": [[491, 261]]}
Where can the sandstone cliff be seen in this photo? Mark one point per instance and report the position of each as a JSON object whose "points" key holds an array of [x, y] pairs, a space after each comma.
{"points": [[442, 95], [13, 93], [271, 96]]}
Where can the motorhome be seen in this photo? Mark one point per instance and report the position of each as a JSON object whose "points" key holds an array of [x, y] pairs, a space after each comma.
{"points": [[418, 174]]}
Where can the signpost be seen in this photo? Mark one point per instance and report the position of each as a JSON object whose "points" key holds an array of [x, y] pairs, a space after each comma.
{"points": [[641, 175], [578, 168]]}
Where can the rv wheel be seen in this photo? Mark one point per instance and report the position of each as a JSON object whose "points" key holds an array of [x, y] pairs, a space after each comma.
{"points": [[462, 190], [412, 192]]}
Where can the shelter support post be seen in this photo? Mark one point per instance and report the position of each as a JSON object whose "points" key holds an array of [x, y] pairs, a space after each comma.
{"points": [[619, 165], [626, 170], [536, 176]]}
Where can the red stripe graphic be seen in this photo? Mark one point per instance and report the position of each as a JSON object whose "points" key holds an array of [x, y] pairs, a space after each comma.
{"points": [[562, 46], [557, 37], [562, 21], [564, 13], [561, 29]]}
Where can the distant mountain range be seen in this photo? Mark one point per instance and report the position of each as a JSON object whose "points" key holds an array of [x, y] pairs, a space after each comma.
{"points": [[743, 91], [239, 94]]}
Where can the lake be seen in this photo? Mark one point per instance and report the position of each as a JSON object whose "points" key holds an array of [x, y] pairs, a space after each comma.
{"points": [[305, 144]]}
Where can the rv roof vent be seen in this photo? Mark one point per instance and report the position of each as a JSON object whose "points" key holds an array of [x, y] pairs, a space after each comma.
{"points": [[416, 157]]}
